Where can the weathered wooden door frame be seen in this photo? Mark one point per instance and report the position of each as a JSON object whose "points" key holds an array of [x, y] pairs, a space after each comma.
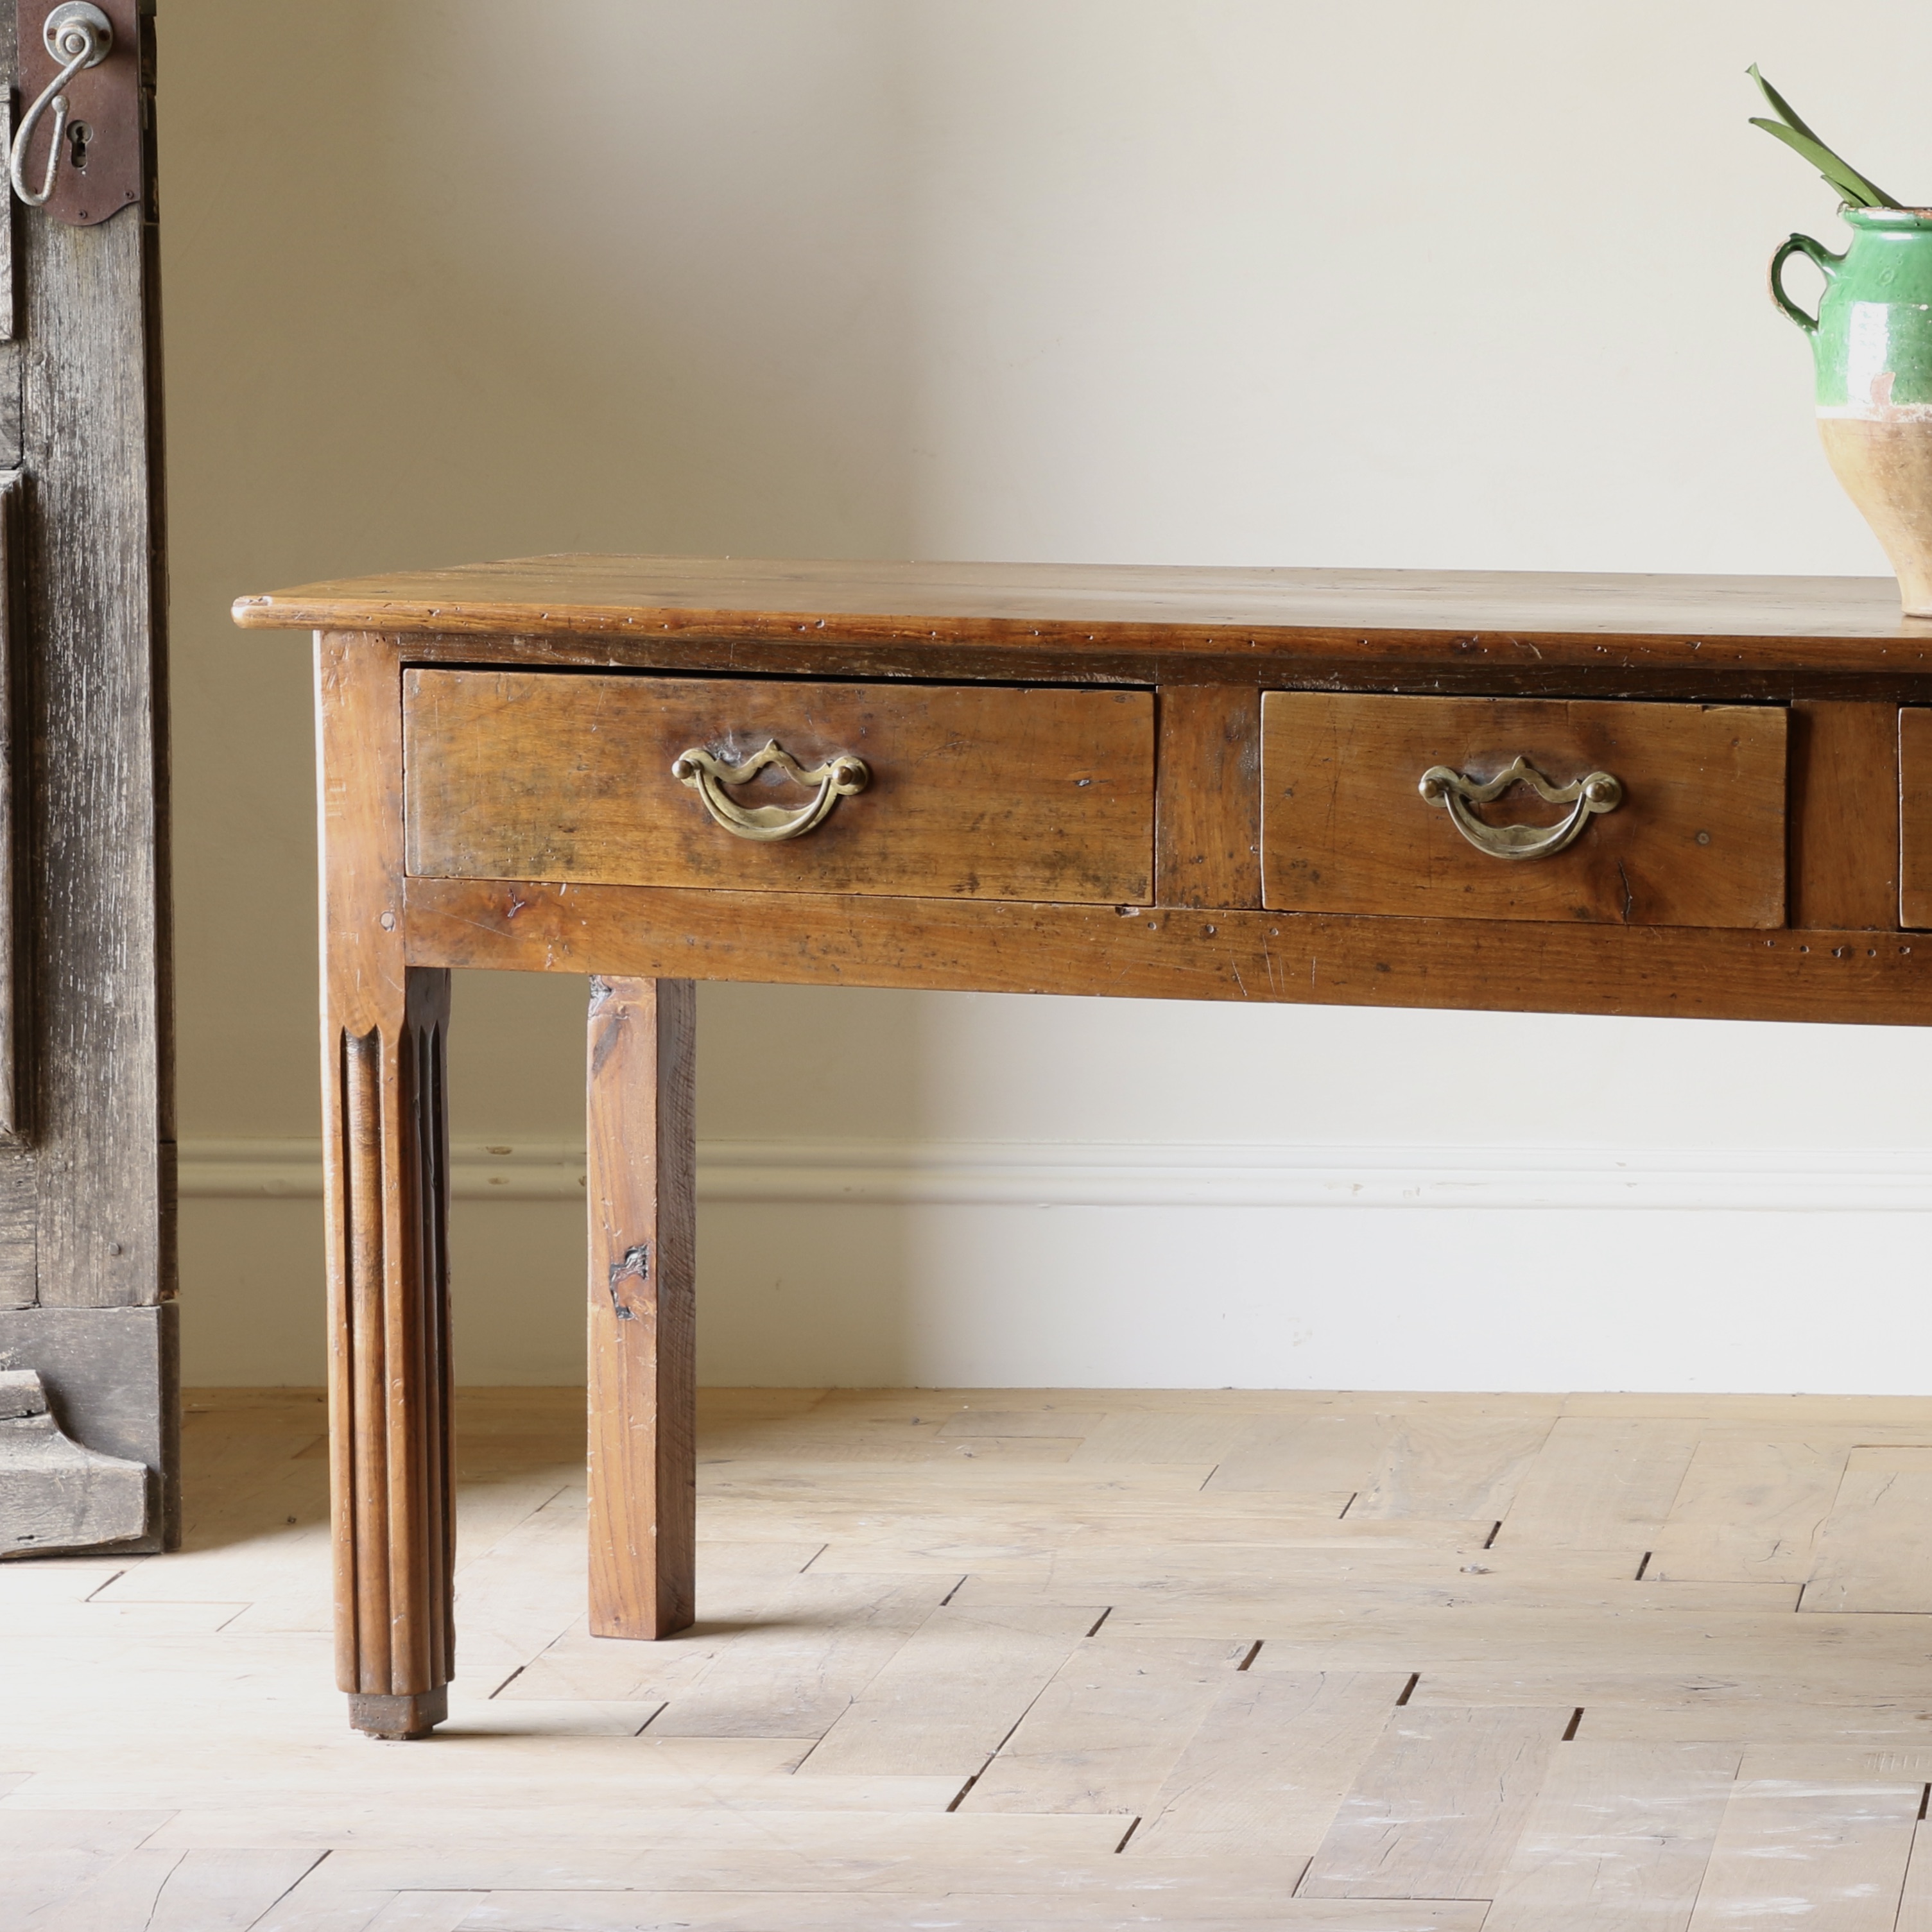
{"points": [[87, 1220]]}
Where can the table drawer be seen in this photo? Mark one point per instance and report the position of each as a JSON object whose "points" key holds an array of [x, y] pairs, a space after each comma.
{"points": [[980, 792], [1695, 835]]}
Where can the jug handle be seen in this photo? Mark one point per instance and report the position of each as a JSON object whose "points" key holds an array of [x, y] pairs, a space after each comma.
{"points": [[1828, 265]]}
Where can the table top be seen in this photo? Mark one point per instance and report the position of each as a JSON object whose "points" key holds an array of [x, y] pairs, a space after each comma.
{"points": [[1849, 622]]}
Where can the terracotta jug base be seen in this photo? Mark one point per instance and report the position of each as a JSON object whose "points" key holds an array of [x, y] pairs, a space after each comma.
{"points": [[1884, 460]]}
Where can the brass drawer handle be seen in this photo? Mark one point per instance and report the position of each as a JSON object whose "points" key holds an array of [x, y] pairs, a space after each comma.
{"points": [[836, 778], [1597, 792]]}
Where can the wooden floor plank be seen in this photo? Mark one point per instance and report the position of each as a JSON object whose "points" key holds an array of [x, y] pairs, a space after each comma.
{"points": [[165, 1891], [745, 1592], [1751, 1507], [921, 1441], [1865, 1656], [1829, 1855], [1438, 1464], [718, 1839], [715, 1406], [1061, 1421], [121, 1623], [64, 1580], [242, 1572], [1754, 1682], [611, 1670], [1000, 1877], [1306, 1453], [1798, 1412], [583, 1791], [1915, 1908], [48, 1857], [803, 1650], [953, 1693], [1776, 1716], [1253, 1587], [1617, 1840], [906, 1401], [530, 1586], [946, 1540], [432, 1912], [1270, 1763], [1872, 1552], [1599, 1481], [1438, 1806], [309, 1908], [1884, 1763], [1106, 1732], [818, 1499], [1187, 1435], [1310, 1572], [1013, 1912]]}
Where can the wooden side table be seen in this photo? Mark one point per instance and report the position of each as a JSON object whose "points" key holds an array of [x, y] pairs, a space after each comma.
{"points": [[1690, 797]]}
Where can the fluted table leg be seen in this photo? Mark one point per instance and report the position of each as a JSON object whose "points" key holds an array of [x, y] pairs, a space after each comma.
{"points": [[386, 1152]]}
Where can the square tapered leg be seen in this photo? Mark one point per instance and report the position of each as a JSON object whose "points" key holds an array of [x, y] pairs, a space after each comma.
{"points": [[643, 1364]]}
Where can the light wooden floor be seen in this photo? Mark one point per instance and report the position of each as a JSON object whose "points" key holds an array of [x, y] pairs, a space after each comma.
{"points": [[1012, 1659]]}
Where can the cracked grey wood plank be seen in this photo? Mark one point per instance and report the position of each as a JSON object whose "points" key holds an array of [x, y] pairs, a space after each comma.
{"points": [[1600, 1482], [158, 1890], [1269, 1765], [313, 1908], [805, 1648], [1830, 1851], [1439, 1804], [1440, 1464], [1872, 1554], [1751, 1507], [1263, 1909], [1309, 1454], [1914, 1908], [952, 1692], [1619, 1840], [1106, 1732]]}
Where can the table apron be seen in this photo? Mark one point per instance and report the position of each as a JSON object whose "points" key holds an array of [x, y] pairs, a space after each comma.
{"points": [[1878, 978]]}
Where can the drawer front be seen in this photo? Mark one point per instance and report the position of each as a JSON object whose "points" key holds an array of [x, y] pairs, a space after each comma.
{"points": [[1697, 837], [971, 793]]}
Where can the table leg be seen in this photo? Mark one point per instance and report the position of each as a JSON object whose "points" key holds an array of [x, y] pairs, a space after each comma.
{"points": [[389, 1395], [644, 1366]]}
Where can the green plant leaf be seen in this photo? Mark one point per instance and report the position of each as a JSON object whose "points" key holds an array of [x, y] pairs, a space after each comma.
{"points": [[1838, 173], [1781, 107]]}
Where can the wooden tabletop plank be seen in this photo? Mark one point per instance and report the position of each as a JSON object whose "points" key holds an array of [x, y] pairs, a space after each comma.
{"points": [[1518, 617]]}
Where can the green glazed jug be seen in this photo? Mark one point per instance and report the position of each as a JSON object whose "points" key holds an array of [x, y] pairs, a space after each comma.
{"points": [[1871, 340]]}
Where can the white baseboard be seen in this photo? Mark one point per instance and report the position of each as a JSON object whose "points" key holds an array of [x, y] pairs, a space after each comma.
{"points": [[1062, 1175]]}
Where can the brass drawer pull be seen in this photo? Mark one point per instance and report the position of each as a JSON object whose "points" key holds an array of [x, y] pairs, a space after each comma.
{"points": [[1597, 792], [836, 778]]}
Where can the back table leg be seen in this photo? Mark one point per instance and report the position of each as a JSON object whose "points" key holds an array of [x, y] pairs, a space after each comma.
{"points": [[643, 1361]]}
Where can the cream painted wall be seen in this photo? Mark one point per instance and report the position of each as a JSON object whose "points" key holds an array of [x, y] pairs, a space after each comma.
{"points": [[1174, 281]]}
